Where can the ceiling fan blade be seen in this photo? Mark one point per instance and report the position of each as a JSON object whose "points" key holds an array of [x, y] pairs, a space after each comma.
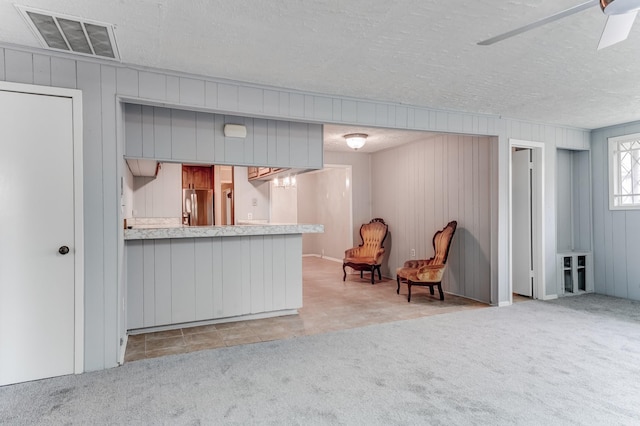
{"points": [[536, 24], [617, 29]]}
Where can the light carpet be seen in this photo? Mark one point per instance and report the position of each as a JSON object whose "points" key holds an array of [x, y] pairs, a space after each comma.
{"points": [[573, 361]]}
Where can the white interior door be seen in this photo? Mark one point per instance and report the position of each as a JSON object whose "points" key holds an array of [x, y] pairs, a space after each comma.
{"points": [[37, 308], [521, 223]]}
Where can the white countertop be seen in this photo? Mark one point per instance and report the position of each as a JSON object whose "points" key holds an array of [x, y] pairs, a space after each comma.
{"points": [[151, 233]]}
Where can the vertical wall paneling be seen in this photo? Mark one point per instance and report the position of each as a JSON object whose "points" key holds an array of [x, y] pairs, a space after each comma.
{"points": [[152, 85], [260, 141], [2, 67], [600, 207], [293, 265], [271, 103], [218, 139], [88, 80], [249, 142], [148, 132], [63, 72], [149, 282], [183, 135], [279, 272], [161, 133], [135, 280], [133, 130], [42, 70], [113, 242], [217, 262], [127, 80], [250, 99], [232, 276], [211, 94], [256, 272], [227, 97], [163, 292], [205, 145], [245, 280], [19, 66], [267, 276], [203, 279], [422, 186], [191, 91], [298, 144], [173, 89], [283, 143], [163, 86], [234, 147], [183, 297]]}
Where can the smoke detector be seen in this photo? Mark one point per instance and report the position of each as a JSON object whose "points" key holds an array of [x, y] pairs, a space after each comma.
{"points": [[71, 34]]}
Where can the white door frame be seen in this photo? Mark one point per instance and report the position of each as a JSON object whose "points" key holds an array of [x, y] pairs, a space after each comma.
{"points": [[538, 222], [78, 208]]}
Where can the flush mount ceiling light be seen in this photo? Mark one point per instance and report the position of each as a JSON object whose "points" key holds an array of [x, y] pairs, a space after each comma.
{"points": [[356, 140], [71, 34]]}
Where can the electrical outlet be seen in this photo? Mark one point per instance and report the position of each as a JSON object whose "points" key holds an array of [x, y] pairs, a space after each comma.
{"points": [[250, 216], [413, 253]]}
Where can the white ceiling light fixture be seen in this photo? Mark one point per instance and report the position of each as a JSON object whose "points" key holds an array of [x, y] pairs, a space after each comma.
{"points": [[71, 34], [356, 140], [235, 131]]}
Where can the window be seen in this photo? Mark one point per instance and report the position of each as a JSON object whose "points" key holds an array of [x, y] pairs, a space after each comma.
{"points": [[624, 172]]}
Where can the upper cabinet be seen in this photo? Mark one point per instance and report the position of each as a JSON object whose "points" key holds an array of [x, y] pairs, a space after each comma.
{"points": [[197, 177], [168, 134]]}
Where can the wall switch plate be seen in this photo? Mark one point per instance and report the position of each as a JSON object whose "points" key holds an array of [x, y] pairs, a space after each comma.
{"points": [[254, 202], [413, 253], [250, 216]]}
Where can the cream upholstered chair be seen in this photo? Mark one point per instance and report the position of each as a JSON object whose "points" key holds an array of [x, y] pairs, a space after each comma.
{"points": [[429, 272], [368, 255]]}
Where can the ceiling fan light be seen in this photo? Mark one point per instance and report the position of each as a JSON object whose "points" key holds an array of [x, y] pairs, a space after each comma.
{"points": [[356, 140], [618, 7]]}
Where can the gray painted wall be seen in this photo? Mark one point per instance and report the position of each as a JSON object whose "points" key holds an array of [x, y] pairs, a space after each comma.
{"points": [[418, 188], [324, 197], [616, 234], [103, 83]]}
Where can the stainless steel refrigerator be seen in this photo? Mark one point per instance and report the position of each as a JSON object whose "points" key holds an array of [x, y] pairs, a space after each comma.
{"points": [[197, 207]]}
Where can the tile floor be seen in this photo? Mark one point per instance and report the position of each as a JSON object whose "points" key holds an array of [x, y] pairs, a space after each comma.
{"points": [[328, 304]]}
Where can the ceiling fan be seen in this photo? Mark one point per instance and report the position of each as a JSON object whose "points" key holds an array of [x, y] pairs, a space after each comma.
{"points": [[620, 17]]}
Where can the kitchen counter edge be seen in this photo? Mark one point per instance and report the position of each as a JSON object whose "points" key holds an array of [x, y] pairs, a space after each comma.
{"points": [[220, 231]]}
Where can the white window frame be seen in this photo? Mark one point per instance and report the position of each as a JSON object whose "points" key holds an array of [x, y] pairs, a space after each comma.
{"points": [[614, 171]]}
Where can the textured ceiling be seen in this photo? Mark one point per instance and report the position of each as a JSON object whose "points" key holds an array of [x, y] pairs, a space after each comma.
{"points": [[418, 52]]}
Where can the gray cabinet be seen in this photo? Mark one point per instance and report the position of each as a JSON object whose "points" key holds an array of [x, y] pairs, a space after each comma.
{"points": [[575, 273]]}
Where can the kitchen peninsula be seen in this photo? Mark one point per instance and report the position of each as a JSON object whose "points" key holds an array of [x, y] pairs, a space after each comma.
{"points": [[178, 275]]}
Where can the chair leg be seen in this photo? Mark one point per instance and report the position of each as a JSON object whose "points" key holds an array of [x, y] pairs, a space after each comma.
{"points": [[431, 289], [409, 296], [344, 273], [379, 273], [398, 280], [440, 290], [360, 273], [373, 273]]}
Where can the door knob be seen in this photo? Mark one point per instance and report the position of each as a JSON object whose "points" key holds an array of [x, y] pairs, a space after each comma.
{"points": [[63, 250]]}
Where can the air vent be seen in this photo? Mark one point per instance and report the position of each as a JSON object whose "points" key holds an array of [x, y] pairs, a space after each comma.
{"points": [[72, 34]]}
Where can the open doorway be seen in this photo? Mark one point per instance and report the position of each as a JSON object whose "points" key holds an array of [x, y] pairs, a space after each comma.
{"points": [[526, 263]]}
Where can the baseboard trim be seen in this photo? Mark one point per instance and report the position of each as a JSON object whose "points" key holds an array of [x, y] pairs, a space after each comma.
{"points": [[550, 297], [333, 259], [503, 304]]}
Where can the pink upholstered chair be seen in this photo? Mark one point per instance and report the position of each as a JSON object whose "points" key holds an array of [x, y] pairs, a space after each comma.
{"points": [[429, 272], [368, 255]]}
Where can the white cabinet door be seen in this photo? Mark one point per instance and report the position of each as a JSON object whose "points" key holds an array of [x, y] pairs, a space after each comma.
{"points": [[37, 310]]}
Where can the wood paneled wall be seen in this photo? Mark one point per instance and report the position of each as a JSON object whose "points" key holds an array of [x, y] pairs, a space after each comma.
{"points": [[103, 83], [174, 281], [418, 188], [616, 233], [167, 134]]}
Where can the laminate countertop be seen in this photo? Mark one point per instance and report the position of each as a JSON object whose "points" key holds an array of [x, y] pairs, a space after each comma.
{"points": [[147, 232]]}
